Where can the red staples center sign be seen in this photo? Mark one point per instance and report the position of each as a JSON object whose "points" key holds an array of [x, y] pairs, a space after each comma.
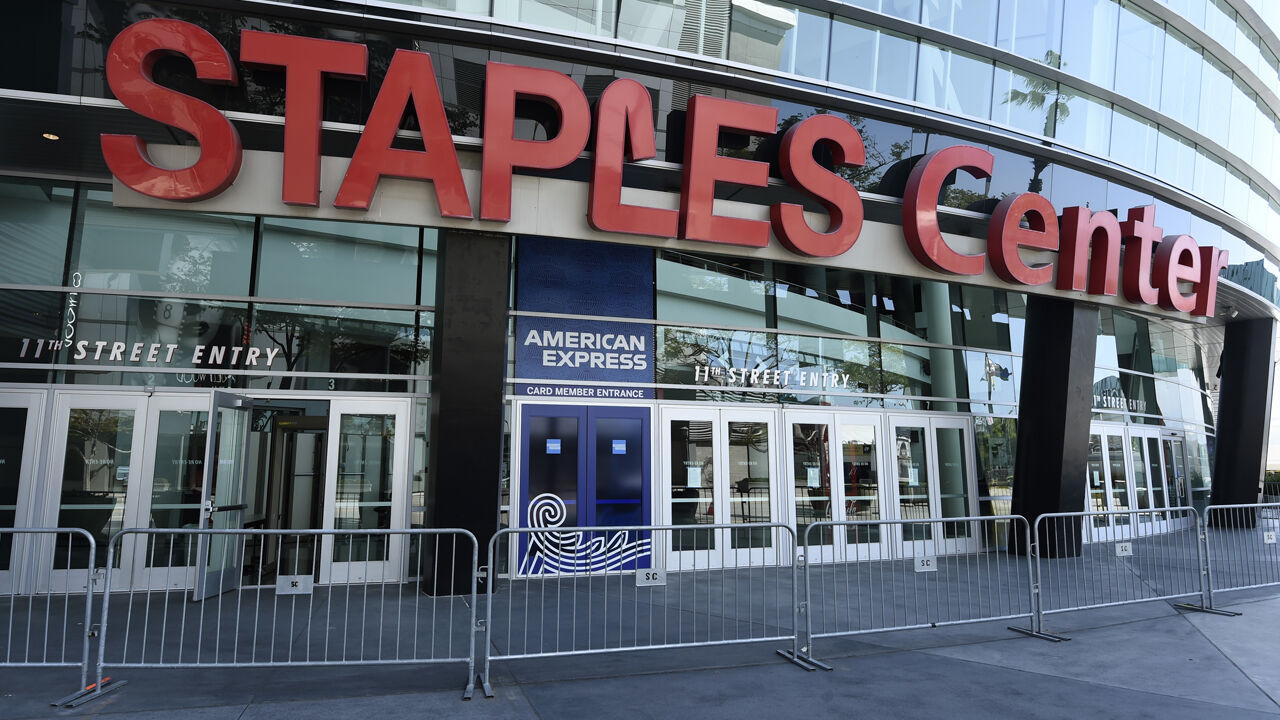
{"points": [[1172, 272]]}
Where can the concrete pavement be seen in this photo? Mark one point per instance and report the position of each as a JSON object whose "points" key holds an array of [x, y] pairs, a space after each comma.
{"points": [[1146, 660]]}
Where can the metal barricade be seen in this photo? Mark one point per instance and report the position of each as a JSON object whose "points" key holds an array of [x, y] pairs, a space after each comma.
{"points": [[1241, 544], [874, 575], [290, 598], [1118, 557], [48, 626], [576, 590]]}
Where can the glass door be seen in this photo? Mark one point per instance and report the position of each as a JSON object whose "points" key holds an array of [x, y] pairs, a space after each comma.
{"points": [[1110, 467], [221, 557], [98, 441], [19, 431], [833, 473], [171, 486], [934, 470], [368, 476], [583, 466], [720, 468]]}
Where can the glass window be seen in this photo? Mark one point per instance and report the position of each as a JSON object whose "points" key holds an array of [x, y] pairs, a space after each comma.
{"points": [[157, 250], [1175, 159], [905, 9], [1024, 101], [1089, 40], [1244, 109], [811, 298], [658, 23], [1264, 142], [1235, 196], [301, 258], [1220, 23], [339, 341], [781, 37], [1180, 89], [470, 7], [430, 249], [1215, 97], [1139, 55], [1192, 10], [886, 144], [953, 80], [873, 59], [1032, 29], [1210, 177], [95, 474], [974, 19], [580, 16], [33, 234], [1133, 141], [996, 440], [710, 290], [1083, 121]]}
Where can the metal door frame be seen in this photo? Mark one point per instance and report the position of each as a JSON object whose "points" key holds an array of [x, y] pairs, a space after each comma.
{"points": [[931, 423], [394, 567], [21, 575], [204, 584]]}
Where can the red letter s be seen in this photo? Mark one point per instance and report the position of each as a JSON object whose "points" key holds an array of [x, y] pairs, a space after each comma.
{"points": [[130, 60]]}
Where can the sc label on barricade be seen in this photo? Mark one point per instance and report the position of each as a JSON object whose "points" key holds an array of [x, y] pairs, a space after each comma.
{"points": [[1124, 549], [927, 563], [1269, 537], [652, 577]]}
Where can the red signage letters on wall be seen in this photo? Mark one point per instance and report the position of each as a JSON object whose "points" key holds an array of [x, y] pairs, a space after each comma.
{"points": [[1172, 272]]}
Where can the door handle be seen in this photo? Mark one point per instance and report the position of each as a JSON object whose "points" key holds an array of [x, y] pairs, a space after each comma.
{"points": [[221, 508]]}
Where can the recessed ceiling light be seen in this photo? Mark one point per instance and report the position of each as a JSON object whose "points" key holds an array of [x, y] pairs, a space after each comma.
{"points": [[49, 136]]}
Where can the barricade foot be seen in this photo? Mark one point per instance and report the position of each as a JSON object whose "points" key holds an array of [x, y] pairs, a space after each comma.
{"points": [[469, 690], [485, 687], [807, 663], [90, 693], [1039, 634], [1203, 609]]}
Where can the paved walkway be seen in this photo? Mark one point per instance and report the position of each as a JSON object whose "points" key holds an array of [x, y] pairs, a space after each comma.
{"points": [[1146, 660]]}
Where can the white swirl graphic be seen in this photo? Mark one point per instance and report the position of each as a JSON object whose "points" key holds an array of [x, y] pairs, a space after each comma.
{"points": [[574, 552]]}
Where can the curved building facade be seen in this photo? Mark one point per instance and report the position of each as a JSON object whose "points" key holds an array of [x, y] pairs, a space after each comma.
{"points": [[644, 262]]}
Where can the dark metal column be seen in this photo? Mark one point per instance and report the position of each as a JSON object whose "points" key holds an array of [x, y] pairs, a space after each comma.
{"points": [[1054, 404], [1244, 412], [467, 369]]}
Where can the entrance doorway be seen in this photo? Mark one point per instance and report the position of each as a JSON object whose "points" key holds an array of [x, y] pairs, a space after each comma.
{"points": [[835, 474], [720, 466], [583, 466], [137, 460], [1135, 469]]}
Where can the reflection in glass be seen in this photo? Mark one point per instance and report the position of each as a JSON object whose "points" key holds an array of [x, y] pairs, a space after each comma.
{"points": [[1141, 484], [33, 237], [165, 251], [366, 451], [861, 481], [811, 461], [1089, 40], [996, 440], [1083, 121], [95, 477], [1032, 29], [339, 340], [581, 16], [779, 36], [953, 80], [1175, 467], [873, 59], [953, 479], [300, 259], [750, 482], [1025, 101], [177, 485], [1097, 481], [1199, 470], [13, 429], [913, 481], [693, 477], [1119, 477], [1154, 471]]}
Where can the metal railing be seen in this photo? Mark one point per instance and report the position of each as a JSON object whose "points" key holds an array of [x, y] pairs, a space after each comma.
{"points": [[576, 590], [1116, 557], [260, 598], [46, 626], [875, 575], [1241, 546]]}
